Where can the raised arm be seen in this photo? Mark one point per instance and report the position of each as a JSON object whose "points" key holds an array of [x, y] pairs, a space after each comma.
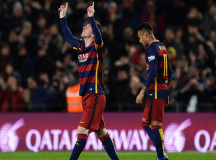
{"points": [[66, 31], [96, 31]]}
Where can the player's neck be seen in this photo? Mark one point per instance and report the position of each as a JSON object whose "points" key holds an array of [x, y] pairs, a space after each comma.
{"points": [[153, 39], [88, 41]]}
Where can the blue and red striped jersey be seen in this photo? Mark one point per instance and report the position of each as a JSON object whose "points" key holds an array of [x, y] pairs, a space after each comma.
{"points": [[159, 71], [90, 68], [90, 59]]}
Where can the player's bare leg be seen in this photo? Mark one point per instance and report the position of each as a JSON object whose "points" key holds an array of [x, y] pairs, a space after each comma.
{"points": [[107, 142], [82, 130], [101, 133]]}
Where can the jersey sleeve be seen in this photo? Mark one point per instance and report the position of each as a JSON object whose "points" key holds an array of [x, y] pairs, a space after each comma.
{"points": [[74, 42], [97, 33], [169, 71], [153, 63]]}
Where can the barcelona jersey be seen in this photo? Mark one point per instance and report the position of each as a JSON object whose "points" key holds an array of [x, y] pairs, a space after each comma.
{"points": [[90, 59], [90, 68], [159, 71]]}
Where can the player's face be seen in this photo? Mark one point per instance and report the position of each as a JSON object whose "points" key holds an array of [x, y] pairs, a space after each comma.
{"points": [[87, 31], [143, 38]]}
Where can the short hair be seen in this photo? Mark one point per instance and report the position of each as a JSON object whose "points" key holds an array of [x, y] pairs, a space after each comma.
{"points": [[145, 27]]}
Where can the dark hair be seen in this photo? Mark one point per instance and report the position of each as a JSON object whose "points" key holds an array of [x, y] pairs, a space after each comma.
{"points": [[145, 27]]}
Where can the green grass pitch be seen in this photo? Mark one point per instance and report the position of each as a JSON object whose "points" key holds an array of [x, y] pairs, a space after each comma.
{"points": [[103, 156]]}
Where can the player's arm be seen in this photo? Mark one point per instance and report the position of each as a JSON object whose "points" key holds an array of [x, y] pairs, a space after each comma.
{"points": [[170, 76], [66, 31], [152, 57], [153, 62], [169, 72], [96, 31]]}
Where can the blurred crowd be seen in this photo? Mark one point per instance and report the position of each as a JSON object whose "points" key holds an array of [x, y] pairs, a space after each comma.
{"points": [[37, 64]]}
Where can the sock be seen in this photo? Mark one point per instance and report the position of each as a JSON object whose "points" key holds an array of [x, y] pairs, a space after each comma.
{"points": [[79, 146], [109, 147], [149, 132], [158, 141]]}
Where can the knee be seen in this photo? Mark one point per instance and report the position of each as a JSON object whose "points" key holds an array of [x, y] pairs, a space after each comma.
{"points": [[156, 123], [145, 123], [101, 133], [81, 130]]}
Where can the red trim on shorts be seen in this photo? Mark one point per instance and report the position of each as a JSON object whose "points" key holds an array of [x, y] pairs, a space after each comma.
{"points": [[155, 126], [82, 136], [104, 138], [145, 123]]}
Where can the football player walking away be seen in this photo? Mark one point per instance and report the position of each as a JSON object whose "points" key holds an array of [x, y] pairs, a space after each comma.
{"points": [[156, 87]]}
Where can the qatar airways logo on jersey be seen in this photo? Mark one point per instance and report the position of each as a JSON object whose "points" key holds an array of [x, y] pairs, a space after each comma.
{"points": [[174, 137], [83, 57], [9, 139]]}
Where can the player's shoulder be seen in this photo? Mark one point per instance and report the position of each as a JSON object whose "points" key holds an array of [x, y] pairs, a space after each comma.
{"points": [[155, 47], [152, 48], [100, 47], [159, 46]]}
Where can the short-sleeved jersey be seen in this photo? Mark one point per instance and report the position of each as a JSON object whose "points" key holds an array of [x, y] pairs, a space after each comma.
{"points": [[90, 68], [158, 71]]}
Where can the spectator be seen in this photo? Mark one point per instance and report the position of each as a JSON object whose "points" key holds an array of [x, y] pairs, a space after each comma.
{"points": [[24, 65], [41, 98], [171, 41], [5, 58], [12, 96], [32, 85], [208, 98], [128, 98], [205, 57], [14, 21], [28, 39], [9, 70], [191, 94], [175, 102], [43, 63], [13, 42]]}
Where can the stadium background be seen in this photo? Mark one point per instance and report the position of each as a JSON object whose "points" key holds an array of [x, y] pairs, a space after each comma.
{"points": [[37, 65]]}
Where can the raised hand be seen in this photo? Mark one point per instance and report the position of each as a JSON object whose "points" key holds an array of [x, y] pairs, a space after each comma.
{"points": [[90, 10], [62, 10]]}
